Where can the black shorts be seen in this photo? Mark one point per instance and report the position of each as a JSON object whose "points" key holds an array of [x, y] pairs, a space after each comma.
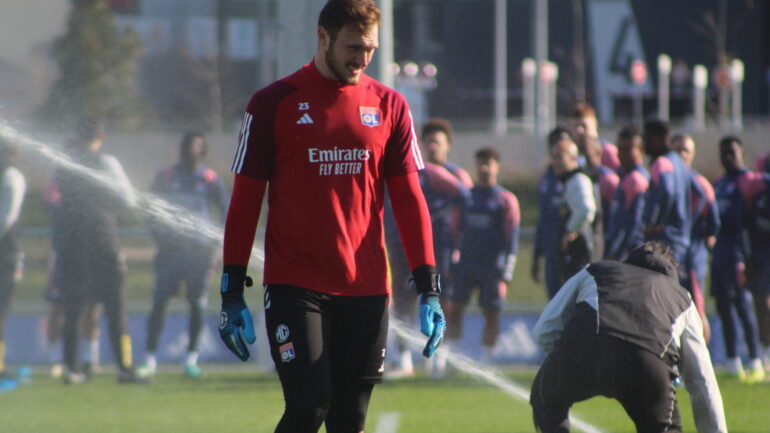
{"points": [[485, 278], [322, 342], [194, 270]]}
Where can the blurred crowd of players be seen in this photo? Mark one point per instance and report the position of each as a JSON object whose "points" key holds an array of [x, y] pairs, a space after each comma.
{"points": [[87, 269], [596, 200]]}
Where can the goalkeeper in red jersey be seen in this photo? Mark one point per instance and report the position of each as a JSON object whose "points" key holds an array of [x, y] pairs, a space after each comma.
{"points": [[323, 142]]}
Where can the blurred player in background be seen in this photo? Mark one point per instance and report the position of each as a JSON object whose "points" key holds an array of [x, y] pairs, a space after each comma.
{"points": [[445, 186], [13, 187], [585, 129], [705, 227], [762, 164], [625, 230], [605, 183], [758, 265], [550, 198], [735, 195], [89, 322], [668, 202], [184, 257], [577, 212], [445, 196], [489, 242], [595, 346], [325, 141], [93, 268]]}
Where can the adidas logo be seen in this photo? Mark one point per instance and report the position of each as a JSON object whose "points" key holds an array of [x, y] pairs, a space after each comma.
{"points": [[304, 120]]}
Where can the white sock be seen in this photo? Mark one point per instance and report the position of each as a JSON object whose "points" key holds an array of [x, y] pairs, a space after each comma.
{"points": [[93, 352], [406, 360], [151, 361], [192, 358]]}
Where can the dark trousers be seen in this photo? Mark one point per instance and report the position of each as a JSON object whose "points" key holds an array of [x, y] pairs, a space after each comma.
{"points": [[173, 267], [585, 366], [7, 289], [732, 298], [329, 351], [94, 275]]}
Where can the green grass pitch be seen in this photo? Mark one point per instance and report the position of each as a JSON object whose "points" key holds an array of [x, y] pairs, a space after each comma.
{"points": [[250, 401]]}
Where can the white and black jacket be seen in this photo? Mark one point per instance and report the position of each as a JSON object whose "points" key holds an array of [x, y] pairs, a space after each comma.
{"points": [[647, 308]]}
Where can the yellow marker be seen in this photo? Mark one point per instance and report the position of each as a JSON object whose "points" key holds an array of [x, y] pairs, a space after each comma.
{"points": [[125, 346]]}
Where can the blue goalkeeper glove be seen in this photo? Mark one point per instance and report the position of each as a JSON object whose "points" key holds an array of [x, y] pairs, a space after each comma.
{"points": [[236, 327], [432, 322]]}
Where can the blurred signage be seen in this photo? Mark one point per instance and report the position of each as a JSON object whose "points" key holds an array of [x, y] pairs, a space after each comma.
{"points": [[27, 343], [242, 39], [616, 44], [638, 72], [201, 37]]}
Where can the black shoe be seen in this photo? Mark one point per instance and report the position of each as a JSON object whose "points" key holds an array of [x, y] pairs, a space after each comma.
{"points": [[130, 376]]}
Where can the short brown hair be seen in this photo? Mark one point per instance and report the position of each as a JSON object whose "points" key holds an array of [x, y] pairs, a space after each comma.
{"points": [[336, 14], [188, 139], [487, 153], [437, 124], [629, 132], [582, 110], [642, 256]]}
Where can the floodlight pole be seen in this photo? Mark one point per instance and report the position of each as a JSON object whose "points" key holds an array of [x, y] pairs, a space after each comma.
{"points": [[541, 57], [266, 43], [700, 81], [501, 68], [737, 72], [529, 73], [386, 43], [664, 72]]}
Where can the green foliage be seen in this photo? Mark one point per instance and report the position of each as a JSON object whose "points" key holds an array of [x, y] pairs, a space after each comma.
{"points": [[97, 65]]}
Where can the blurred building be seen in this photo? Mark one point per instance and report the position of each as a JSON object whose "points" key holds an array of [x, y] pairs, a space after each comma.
{"points": [[593, 42], [26, 69], [202, 59], [457, 36]]}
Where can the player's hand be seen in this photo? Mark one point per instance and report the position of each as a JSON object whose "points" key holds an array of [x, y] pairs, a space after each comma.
{"points": [[236, 327], [432, 321], [568, 239]]}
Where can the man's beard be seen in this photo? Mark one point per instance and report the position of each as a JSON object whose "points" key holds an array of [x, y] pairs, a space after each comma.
{"points": [[340, 73]]}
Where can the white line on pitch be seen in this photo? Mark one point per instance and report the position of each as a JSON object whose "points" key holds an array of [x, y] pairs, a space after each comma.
{"points": [[487, 374]]}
